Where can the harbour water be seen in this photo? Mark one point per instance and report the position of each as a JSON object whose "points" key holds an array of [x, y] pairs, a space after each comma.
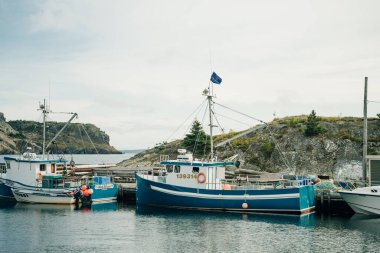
{"points": [[119, 227], [123, 228]]}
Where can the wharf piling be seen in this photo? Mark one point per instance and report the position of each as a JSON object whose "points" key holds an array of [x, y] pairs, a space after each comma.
{"points": [[126, 192], [329, 202]]}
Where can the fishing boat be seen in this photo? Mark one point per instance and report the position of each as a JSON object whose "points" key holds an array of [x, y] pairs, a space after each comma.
{"points": [[364, 200], [40, 179], [54, 190], [201, 184]]}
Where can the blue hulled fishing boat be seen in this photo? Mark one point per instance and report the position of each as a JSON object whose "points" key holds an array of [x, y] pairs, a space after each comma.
{"points": [[188, 183], [184, 183]]}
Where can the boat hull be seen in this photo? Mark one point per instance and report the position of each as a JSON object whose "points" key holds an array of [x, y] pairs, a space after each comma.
{"points": [[363, 201], [296, 200], [42, 197], [45, 196], [5, 192]]}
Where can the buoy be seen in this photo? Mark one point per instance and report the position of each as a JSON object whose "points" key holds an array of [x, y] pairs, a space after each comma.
{"points": [[83, 188], [86, 193], [91, 191], [244, 205]]}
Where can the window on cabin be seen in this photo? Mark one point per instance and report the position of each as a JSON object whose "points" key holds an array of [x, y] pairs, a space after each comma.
{"points": [[3, 168], [42, 167], [8, 164], [177, 169], [169, 168], [195, 169]]}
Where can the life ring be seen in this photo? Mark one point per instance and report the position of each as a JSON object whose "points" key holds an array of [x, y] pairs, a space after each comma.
{"points": [[201, 178]]}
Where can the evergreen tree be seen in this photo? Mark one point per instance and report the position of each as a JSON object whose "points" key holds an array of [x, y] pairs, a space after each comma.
{"points": [[197, 140], [312, 125]]}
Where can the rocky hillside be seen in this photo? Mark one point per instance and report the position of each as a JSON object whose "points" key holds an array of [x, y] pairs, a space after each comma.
{"points": [[16, 135], [283, 147]]}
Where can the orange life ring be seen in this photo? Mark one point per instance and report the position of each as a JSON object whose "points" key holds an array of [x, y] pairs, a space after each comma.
{"points": [[201, 180]]}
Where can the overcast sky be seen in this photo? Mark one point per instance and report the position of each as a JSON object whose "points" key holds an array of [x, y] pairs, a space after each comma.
{"points": [[136, 69]]}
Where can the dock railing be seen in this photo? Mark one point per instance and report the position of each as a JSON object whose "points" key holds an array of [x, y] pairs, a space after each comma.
{"points": [[252, 184]]}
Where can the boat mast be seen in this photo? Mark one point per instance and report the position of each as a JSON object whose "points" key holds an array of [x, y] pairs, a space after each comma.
{"points": [[209, 98], [365, 132], [44, 112]]}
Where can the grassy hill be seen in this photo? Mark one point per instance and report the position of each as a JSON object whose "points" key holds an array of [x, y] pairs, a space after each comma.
{"points": [[283, 147]]}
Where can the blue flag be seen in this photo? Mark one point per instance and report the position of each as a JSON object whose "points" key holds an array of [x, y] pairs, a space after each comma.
{"points": [[215, 78]]}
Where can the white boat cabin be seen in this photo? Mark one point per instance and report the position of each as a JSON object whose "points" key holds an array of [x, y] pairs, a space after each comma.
{"points": [[29, 168], [187, 172]]}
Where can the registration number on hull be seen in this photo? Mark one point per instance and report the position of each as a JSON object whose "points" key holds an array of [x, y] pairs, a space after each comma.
{"points": [[186, 176]]}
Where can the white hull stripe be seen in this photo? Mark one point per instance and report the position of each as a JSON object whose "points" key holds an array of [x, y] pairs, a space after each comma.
{"points": [[304, 211], [226, 197]]}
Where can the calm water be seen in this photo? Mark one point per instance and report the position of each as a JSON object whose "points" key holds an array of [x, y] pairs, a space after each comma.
{"points": [[123, 228], [126, 228]]}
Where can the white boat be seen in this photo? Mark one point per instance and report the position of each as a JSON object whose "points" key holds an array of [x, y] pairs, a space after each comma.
{"points": [[41, 179], [364, 200]]}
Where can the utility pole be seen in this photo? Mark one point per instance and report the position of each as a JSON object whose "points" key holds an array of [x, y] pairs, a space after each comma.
{"points": [[365, 139]]}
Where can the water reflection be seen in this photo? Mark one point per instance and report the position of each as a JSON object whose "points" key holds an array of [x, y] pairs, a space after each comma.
{"points": [[104, 207], [99, 207], [366, 223], [307, 220], [4, 204]]}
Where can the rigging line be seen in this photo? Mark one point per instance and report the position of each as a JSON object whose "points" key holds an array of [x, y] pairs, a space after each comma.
{"points": [[373, 101], [176, 130], [283, 158], [62, 112], [204, 150], [276, 145], [241, 122], [217, 121], [91, 141], [198, 135], [196, 116], [81, 137], [241, 113]]}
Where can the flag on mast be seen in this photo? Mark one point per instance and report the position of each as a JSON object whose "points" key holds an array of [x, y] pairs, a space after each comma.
{"points": [[215, 78]]}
